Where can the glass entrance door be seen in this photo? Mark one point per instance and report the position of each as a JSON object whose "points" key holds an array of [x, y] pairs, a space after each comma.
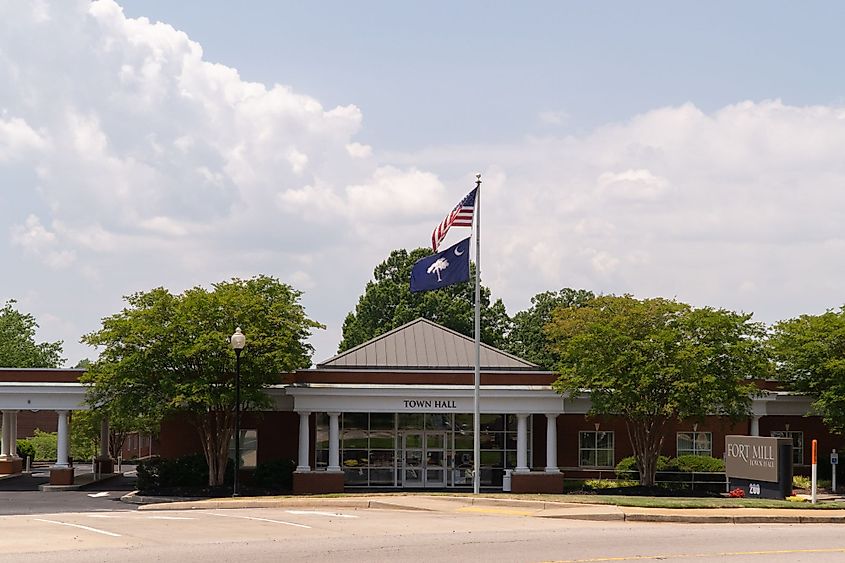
{"points": [[424, 459]]}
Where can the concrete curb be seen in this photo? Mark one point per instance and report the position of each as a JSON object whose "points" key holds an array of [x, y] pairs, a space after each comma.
{"points": [[553, 510], [734, 519]]}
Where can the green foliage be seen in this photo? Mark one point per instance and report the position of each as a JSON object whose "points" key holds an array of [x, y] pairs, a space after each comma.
{"points": [[527, 338], [697, 464], [165, 353], [627, 467], [18, 348], [26, 448], [801, 482], [810, 358], [609, 483], [275, 475], [45, 445], [388, 303], [189, 471], [84, 434], [654, 361]]}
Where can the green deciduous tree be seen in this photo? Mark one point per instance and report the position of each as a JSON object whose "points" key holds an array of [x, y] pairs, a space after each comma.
{"points": [[810, 358], [168, 353], [388, 303], [18, 348], [527, 338], [654, 361]]}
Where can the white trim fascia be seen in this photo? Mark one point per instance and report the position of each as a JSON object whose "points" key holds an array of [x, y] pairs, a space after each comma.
{"points": [[37, 396]]}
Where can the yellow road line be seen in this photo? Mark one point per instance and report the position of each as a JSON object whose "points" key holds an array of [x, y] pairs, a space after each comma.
{"points": [[663, 556]]}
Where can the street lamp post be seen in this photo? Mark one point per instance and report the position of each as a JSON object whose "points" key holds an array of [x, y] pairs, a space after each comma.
{"points": [[237, 341]]}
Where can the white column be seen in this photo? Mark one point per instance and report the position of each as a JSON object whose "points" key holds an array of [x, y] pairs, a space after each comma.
{"points": [[104, 438], [64, 441], [755, 425], [551, 443], [13, 434], [334, 442], [521, 444], [303, 442], [5, 437]]}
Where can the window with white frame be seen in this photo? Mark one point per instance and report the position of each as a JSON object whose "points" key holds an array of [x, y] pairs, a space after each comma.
{"points": [[249, 449], [797, 443], [595, 449], [694, 443]]}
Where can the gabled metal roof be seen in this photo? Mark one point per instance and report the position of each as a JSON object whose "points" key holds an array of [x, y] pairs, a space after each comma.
{"points": [[422, 344]]}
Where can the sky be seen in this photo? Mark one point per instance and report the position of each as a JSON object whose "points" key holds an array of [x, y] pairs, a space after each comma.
{"points": [[687, 150]]}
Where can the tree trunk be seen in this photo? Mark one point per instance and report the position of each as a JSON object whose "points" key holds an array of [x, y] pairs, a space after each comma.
{"points": [[215, 429], [116, 440], [647, 440]]}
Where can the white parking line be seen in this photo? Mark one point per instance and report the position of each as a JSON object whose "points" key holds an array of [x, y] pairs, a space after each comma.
{"points": [[80, 526], [260, 519], [318, 513]]}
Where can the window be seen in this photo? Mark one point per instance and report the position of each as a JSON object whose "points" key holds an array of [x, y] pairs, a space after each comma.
{"points": [[797, 444], [595, 449], [249, 449], [695, 443]]}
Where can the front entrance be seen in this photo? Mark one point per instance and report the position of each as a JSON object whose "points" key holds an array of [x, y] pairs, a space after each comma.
{"points": [[424, 459]]}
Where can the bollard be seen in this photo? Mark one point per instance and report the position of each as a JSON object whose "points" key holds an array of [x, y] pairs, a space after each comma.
{"points": [[815, 468], [29, 464]]}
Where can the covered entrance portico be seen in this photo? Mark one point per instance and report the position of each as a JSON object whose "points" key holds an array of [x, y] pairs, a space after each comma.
{"points": [[420, 436], [59, 397]]}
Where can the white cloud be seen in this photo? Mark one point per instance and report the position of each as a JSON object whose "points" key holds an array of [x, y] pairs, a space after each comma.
{"points": [[132, 161]]}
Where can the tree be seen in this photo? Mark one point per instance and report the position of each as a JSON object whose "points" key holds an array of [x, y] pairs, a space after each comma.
{"points": [[388, 303], [527, 338], [809, 353], [18, 348], [654, 361], [167, 353]]}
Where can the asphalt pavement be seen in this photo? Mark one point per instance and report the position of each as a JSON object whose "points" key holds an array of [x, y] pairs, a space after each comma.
{"points": [[21, 495]]}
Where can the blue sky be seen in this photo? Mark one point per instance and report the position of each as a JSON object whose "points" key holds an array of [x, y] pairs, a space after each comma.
{"points": [[427, 73], [686, 150]]}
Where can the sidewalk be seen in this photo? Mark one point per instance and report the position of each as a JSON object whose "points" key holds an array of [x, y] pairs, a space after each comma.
{"points": [[513, 507]]}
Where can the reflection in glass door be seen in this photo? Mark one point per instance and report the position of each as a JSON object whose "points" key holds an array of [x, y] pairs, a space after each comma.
{"points": [[424, 459]]}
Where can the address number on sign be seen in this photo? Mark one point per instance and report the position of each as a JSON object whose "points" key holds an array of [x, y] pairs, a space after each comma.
{"points": [[754, 489]]}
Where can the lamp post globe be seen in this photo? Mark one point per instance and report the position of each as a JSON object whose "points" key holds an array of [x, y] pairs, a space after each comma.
{"points": [[237, 341]]}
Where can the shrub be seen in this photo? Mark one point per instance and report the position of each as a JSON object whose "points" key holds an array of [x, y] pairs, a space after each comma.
{"points": [[609, 483], [801, 482], [737, 493], [697, 464], [186, 471], [275, 475], [627, 467], [26, 449], [45, 445]]}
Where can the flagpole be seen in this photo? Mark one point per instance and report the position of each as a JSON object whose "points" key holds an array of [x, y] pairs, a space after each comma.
{"points": [[476, 420]]}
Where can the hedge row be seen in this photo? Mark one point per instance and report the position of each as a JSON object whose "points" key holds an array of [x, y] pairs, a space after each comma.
{"points": [[627, 467]]}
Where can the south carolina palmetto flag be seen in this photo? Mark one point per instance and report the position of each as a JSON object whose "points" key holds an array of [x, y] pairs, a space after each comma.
{"points": [[460, 216]]}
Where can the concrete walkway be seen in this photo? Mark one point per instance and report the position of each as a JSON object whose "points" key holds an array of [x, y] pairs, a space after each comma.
{"points": [[514, 507]]}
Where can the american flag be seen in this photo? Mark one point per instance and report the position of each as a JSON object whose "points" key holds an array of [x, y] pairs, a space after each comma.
{"points": [[461, 216]]}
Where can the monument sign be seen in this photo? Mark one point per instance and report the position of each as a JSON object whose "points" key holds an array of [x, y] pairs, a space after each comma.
{"points": [[761, 467]]}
